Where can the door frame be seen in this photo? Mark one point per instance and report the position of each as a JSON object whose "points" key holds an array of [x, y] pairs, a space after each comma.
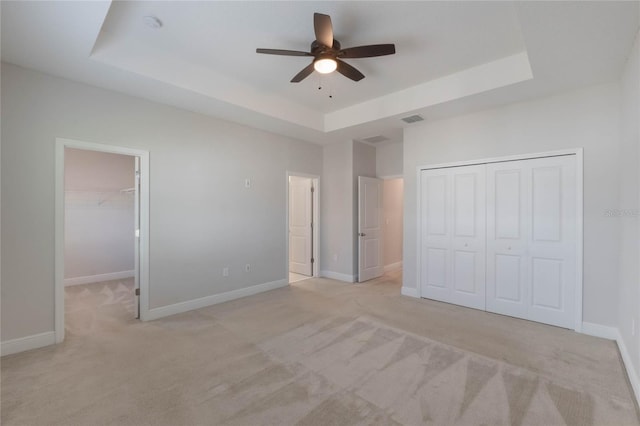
{"points": [[143, 241], [578, 152], [315, 180]]}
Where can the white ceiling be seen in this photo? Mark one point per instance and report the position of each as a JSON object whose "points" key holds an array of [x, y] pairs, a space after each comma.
{"points": [[452, 57]]}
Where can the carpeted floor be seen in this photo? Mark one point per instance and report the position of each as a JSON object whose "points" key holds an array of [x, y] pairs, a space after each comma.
{"points": [[318, 352], [293, 277]]}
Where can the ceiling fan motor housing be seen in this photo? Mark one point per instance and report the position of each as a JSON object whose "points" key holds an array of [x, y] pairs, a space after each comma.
{"points": [[318, 48]]}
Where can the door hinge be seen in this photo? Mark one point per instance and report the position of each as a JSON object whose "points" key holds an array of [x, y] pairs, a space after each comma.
{"points": [[137, 292], [313, 260], [313, 189]]}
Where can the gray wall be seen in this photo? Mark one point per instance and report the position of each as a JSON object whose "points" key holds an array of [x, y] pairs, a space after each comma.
{"points": [[202, 217], [587, 118], [389, 160], [343, 163], [629, 300], [337, 209]]}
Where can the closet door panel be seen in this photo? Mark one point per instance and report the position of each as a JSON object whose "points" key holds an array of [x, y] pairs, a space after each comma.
{"points": [[507, 267], [468, 236], [552, 247], [435, 212], [453, 234]]}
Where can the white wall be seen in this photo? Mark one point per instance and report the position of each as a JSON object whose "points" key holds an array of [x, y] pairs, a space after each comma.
{"points": [[389, 160], [393, 200], [629, 297], [587, 118], [99, 218], [201, 216], [337, 210]]}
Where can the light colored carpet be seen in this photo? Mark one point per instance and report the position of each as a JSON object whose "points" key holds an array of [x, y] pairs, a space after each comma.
{"points": [[319, 352], [293, 277]]}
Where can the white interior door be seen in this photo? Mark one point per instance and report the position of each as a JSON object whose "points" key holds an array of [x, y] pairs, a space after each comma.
{"points": [[453, 235], [468, 236], [370, 263], [300, 225], [531, 239], [136, 212], [552, 248], [508, 213]]}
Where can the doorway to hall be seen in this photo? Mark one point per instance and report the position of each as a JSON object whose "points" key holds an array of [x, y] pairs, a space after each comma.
{"points": [[393, 195], [302, 229]]}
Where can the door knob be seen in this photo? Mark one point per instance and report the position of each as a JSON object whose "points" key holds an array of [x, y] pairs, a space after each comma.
{"points": [[362, 234]]}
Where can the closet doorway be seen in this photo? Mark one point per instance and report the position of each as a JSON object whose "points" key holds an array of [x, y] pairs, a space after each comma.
{"points": [[101, 229], [302, 226]]}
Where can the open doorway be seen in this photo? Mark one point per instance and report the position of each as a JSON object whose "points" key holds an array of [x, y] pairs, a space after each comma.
{"points": [[393, 191], [101, 237], [302, 226], [100, 208]]}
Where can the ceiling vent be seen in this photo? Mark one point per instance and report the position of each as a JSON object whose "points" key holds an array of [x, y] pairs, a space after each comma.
{"points": [[412, 119], [376, 139]]}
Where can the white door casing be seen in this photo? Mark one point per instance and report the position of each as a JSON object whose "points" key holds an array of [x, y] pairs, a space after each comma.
{"points": [[453, 235], [143, 214], [136, 208], [300, 225], [370, 263]]}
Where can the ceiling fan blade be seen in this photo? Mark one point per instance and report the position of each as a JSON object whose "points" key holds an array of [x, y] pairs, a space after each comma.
{"points": [[303, 74], [349, 71], [283, 52], [323, 28], [368, 51]]}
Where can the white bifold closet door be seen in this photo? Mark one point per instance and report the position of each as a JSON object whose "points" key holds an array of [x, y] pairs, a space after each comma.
{"points": [[531, 239], [453, 235], [502, 237]]}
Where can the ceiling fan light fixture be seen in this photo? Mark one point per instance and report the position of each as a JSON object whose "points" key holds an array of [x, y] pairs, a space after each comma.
{"points": [[325, 65]]}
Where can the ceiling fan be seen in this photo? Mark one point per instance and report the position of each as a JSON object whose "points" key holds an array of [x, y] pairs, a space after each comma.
{"points": [[327, 53]]}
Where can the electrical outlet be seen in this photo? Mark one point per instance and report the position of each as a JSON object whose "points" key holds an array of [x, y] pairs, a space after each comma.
{"points": [[247, 183], [247, 268], [225, 271]]}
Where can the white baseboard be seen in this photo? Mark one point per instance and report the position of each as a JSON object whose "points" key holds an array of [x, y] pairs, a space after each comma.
{"points": [[393, 266], [409, 291], [613, 333], [99, 278], [598, 330], [634, 379], [202, 302], [26, 343], [338, 276]]}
